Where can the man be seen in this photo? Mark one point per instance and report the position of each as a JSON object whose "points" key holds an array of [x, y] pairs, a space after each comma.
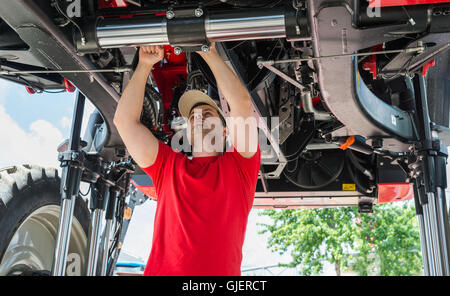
{"points": [[204, 202]]}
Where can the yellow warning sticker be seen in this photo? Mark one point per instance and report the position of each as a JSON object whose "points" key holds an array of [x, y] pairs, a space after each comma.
{"points": [[348, 187]]}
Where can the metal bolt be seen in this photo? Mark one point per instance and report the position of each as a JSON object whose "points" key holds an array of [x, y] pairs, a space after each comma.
{"points": [[198, 12], [177, 50], [205, 48], [170, 14]]}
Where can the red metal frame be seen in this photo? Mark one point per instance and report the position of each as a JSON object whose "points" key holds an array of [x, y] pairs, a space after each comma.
{"points": [[392, 192], [387, 3], [370, 64], [426, 66], [103, 4], [69, 86], [169, 74]]}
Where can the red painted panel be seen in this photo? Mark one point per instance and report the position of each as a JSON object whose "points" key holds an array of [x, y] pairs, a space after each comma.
{"points": [[386, 3], [102, 4], [391, 192], [169, 74]]}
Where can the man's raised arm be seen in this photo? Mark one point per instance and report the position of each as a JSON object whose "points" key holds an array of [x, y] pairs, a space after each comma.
{"points": [[241, 107], [140, 142]]}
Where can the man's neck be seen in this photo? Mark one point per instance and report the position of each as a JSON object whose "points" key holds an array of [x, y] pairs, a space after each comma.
{"points": [[205, 154]]}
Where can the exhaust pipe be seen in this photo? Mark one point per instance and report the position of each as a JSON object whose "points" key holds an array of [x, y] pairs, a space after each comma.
{"points": [[190, 29]]}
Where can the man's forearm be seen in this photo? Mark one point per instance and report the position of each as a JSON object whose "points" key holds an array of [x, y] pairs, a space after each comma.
{"points": [[229, 84], [132, 100]]}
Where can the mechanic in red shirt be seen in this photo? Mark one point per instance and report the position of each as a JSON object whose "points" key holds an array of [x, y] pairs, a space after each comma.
{"points": [[204, 201]]}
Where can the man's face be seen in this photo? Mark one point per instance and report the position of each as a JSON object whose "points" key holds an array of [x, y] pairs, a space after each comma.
{"points": [[205, 129]]}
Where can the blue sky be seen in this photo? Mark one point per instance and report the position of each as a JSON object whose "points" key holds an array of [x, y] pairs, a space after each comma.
{"points": [[32, 126]]}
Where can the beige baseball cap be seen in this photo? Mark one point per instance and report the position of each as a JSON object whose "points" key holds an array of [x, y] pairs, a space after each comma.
{"points": [[193, 97]]}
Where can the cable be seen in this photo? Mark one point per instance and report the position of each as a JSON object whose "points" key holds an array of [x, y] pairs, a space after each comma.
{"points": [[84, 195], [404, 68], [361, 188], [296, 165], [265, 5], [58, 8], [237, 45], [358, 166]]}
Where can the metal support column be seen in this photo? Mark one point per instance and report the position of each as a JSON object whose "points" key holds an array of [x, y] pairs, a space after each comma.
{"points": [[109, 217], [431, 181], [424, 243], [99, 199], [70, 186]]}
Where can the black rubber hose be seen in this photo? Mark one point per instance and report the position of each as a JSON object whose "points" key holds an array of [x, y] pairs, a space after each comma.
{"points": [[358, 165], [360, 187]]}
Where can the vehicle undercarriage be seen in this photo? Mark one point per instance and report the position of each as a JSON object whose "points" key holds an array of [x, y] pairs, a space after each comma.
{"points": [[353, 98]]}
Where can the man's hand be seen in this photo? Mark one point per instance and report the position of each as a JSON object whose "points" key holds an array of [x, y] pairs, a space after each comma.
{"points": [[150, 55]]}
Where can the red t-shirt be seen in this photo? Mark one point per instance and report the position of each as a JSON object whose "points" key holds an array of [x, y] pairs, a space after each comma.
{"points": [[201, 214]]}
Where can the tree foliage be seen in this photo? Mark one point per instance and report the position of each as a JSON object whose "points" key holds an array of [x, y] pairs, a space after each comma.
{"points": [[385, 242]]}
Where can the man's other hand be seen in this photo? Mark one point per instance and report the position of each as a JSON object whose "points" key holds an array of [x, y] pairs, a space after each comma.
{"points": [[150, 55]]}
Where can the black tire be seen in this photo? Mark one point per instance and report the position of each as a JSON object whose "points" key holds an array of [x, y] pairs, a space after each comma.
{"points": [[23, 191]]}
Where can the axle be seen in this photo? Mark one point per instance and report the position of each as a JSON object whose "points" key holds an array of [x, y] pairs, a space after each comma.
{"points": [[191, 29]]}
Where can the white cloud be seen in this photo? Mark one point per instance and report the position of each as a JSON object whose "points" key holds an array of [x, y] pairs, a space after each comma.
{"points": [[38, 146], [66, 122]]}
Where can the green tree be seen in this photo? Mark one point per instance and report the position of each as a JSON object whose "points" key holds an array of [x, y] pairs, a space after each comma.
{"points": [[388, 240], [385, 242]]}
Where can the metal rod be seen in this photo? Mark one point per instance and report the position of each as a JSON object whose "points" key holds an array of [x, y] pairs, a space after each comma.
{"points": [[219, 26], [423, 246], [105, 246], [435, 233], [283, 75], [422, 229], [62, 241], [115, 70], [246, 25], [442, 217], [429, 241], [70, 186], [412, 49], [94, 242]]}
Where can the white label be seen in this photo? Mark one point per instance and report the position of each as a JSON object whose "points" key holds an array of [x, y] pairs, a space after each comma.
{"points": [[394, 120]]}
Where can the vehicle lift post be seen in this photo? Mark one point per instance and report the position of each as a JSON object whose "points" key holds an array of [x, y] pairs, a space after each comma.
{"points": [[70, 187], [99, 199], [430, 181]]}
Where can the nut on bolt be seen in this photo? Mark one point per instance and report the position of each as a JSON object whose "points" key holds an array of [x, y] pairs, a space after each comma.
{"points": [[198, 12], [170, 14], [177, 50], [205, 48]]}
